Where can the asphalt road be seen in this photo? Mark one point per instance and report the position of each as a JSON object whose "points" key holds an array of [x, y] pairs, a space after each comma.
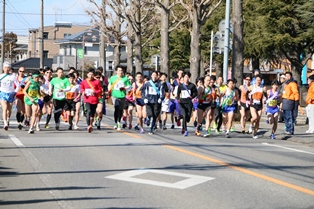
{"points": [[110, 169]]}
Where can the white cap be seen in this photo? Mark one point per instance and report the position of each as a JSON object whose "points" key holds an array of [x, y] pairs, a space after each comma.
{"points": [[283, 76], [6, 64]]}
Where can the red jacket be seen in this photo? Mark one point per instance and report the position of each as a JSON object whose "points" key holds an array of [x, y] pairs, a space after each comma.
{"points": [[88, 86]]}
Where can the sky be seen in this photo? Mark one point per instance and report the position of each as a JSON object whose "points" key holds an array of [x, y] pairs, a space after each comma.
{"points": [[20, 15]]}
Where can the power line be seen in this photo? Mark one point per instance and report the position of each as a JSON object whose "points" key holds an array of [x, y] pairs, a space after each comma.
{"points": [[22, 19], [50, 14]]}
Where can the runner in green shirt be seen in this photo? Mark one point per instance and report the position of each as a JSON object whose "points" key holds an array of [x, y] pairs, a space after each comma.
{"points": [[32, 94], [58, 87], [119, 84]]}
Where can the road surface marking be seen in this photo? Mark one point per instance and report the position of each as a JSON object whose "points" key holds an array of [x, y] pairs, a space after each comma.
{"points": [[16, 141], [296, 150], [243, 170], [191, 180]]}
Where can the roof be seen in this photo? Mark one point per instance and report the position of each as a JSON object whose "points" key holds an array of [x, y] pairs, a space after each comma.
{"points": [[32, 63], [89, 35]]}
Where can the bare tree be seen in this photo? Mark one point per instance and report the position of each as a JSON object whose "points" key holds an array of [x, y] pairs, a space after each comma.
{"points": [[164, 7], [199, 11], [237, 41]]}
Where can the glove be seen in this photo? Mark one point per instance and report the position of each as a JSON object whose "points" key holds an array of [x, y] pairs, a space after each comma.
{"points": [[145, 101], [159, 100]]}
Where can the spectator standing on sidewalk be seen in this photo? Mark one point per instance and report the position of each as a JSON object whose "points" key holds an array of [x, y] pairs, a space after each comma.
{"points": [[282, 80], [290, 102], [310, 104]]}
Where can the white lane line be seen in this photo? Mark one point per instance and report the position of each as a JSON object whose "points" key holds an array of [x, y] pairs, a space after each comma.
{"points": [[295, 150], [16, 141]]}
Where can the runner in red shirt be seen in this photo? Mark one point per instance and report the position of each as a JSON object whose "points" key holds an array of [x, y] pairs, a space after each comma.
{"points": [[91, 88]]}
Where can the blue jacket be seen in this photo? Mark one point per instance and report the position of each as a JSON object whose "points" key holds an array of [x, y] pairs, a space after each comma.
{"points": [[149, 92]]}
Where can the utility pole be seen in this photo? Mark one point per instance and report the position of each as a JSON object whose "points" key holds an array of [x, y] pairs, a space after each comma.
{"points": [[227, 40], [41, 35], [102, 50], [3, 33]]}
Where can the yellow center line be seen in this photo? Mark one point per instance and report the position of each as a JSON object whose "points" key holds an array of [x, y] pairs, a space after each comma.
{"points": [[243, 170]]}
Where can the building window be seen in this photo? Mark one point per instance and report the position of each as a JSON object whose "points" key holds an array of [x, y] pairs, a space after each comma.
{"points": [[45, 36], [66, 35], [46, 54]]}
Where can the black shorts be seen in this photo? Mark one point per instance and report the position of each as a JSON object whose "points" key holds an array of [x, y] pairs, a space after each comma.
{"points": [[47, 98], [118, 102], [203, 106], [243, 105], [127, 104], [153, 110], [90, 109], [258, 107], [70, 105]]}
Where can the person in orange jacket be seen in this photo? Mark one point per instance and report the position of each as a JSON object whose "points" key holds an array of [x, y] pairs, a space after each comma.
{"points": [[310, 104], [290, 102]]}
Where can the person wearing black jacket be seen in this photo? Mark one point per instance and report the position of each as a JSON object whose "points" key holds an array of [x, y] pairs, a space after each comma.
{"points": [[186, 92], [153, 93]]}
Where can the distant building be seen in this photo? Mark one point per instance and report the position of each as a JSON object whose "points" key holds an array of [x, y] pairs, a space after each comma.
{"points": [[21, 48], [82, 48], [51, 34]]}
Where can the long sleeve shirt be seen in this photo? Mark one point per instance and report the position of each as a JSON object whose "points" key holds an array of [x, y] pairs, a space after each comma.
{"points": [[185, 95], [150, 93]]}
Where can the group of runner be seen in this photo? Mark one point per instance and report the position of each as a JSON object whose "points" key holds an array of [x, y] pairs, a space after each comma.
{"points": [[38, 94], [210, 103]]}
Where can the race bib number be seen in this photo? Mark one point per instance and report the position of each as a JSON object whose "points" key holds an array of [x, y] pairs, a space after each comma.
{"points": [[33, 93], [185, 94], [230, 102], [60, 95], [272, 103], [152, 91], [88, 92], [69, 95], [255, 101], [119, 85], [6, 84]]}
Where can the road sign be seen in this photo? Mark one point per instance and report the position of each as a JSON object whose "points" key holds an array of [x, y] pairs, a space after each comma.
{"points": [[80, 53]]}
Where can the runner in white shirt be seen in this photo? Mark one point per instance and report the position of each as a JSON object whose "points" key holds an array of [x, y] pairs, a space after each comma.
{"points": [[7, 93]]}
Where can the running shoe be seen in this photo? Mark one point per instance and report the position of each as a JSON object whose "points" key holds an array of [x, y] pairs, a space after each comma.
{"points": [[20, 126], [206, 135], [98, 127], [217, 131], [255, 137], [136, 127], [70, 128], [228, 135], [30, 131], [150, 133], [115, 126], [232, 129], [47, 126], [201, 128], [186, 133], [6, 127], [89, 129], [124, 125], [75, 127], [195, 123], [142, 131], [148, 122], [130, 126], [178, 122], [182, 131], [215, 125], [272, 136], [250, 130], [309, 132], [172, 126], [197, 133], [37, 127], [119, 127], [164, 127], [57, 126], [243, 131]]}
